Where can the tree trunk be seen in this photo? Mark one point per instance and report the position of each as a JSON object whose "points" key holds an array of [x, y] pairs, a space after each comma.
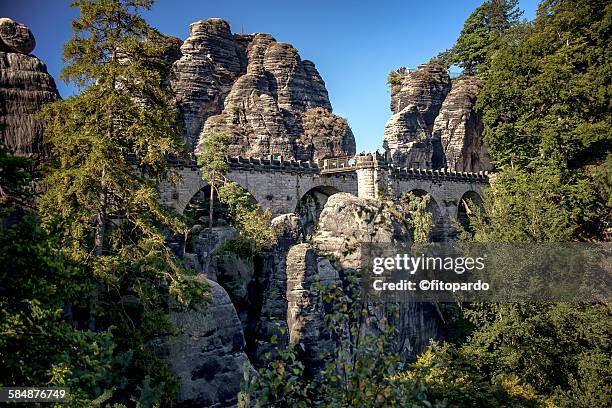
{"points": [[209, 241], [101, 223], [210, 205], [101, 218]]}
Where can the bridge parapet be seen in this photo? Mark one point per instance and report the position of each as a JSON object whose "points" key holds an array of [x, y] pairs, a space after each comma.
{"points": [[481, 177], [269, 163]]}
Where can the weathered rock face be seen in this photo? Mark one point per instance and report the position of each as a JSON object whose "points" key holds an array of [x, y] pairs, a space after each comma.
{"points": [[207, 354], [416, 98], [210, 63], [407, 139], [347, 221], [325, 135], [425, 88], [459, 128], [269, 317], [25, 86], [15, 37], [305, 315], [434, 124], [256, 90]]}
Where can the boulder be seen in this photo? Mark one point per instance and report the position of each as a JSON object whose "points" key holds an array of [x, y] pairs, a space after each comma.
{"points": [[347, 222], [15, 37]]}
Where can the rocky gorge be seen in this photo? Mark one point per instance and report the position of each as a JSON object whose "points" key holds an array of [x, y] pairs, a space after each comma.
{"points": [[270, 102]]}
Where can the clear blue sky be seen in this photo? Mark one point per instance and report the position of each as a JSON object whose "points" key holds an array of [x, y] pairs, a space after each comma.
{"points": [[354, 44]]}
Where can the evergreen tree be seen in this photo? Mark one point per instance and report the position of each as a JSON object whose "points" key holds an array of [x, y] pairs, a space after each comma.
{"points": [[480, 35], [211, 159], [546, 108], [110, 146]]}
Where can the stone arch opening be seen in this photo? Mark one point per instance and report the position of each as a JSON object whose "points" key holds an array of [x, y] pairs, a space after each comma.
{"points": [[469, 205], [197, 213], [432, 204], [311, 204]]}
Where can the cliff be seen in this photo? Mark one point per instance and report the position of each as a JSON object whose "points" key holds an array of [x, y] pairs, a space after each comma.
{"points": [[25, 86], [258, 91], [434, 123], [459, 128]]}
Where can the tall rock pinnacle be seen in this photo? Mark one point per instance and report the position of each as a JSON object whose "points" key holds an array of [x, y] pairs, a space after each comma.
{"points": [[25, 86], [259, 92]]}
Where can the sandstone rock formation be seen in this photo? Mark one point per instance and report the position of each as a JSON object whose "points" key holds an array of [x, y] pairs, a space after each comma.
{"points": [[305, 314], [416, 98], [25, 86], [459, 128], [270, 317], [207, 353], [256, 90], [434, 124], [347, 222], [15, 37]]}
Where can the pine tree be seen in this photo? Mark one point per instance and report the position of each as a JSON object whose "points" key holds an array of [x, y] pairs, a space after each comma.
{"points": [[481, 31], [110, 148], [211, 159]]}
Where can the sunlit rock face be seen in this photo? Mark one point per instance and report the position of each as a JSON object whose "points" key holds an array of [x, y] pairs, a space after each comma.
{"points": [[345, 224], [416, 99], [459, 128], [259, 92], [434, 122], [25, 86]]}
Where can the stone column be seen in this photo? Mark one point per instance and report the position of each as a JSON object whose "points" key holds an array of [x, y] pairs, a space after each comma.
{"points": [[367, 185]]}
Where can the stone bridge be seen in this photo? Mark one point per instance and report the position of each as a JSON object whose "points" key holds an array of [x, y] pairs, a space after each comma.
{"points": [[275, 183], [280, 184]]}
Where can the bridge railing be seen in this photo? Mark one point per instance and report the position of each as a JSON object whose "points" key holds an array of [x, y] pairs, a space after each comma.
{"points": [[442, 174]]}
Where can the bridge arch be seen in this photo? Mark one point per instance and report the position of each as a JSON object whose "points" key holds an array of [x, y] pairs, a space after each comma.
{"points": [[469, 203], [311, 203], [432, 205]]}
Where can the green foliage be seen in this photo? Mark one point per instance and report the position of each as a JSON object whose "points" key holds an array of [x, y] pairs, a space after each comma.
{"points": [[448, 377], [40, 343], [253, 223], [282, 383], [245, 214], [444, 58], [481, 34], [15, 176], [359, 371], [548, 346], [418, 216], [546, 99], [547, 119], [533, 207], [394, 78], [110, 145], [41, 297], [211, 157]]}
